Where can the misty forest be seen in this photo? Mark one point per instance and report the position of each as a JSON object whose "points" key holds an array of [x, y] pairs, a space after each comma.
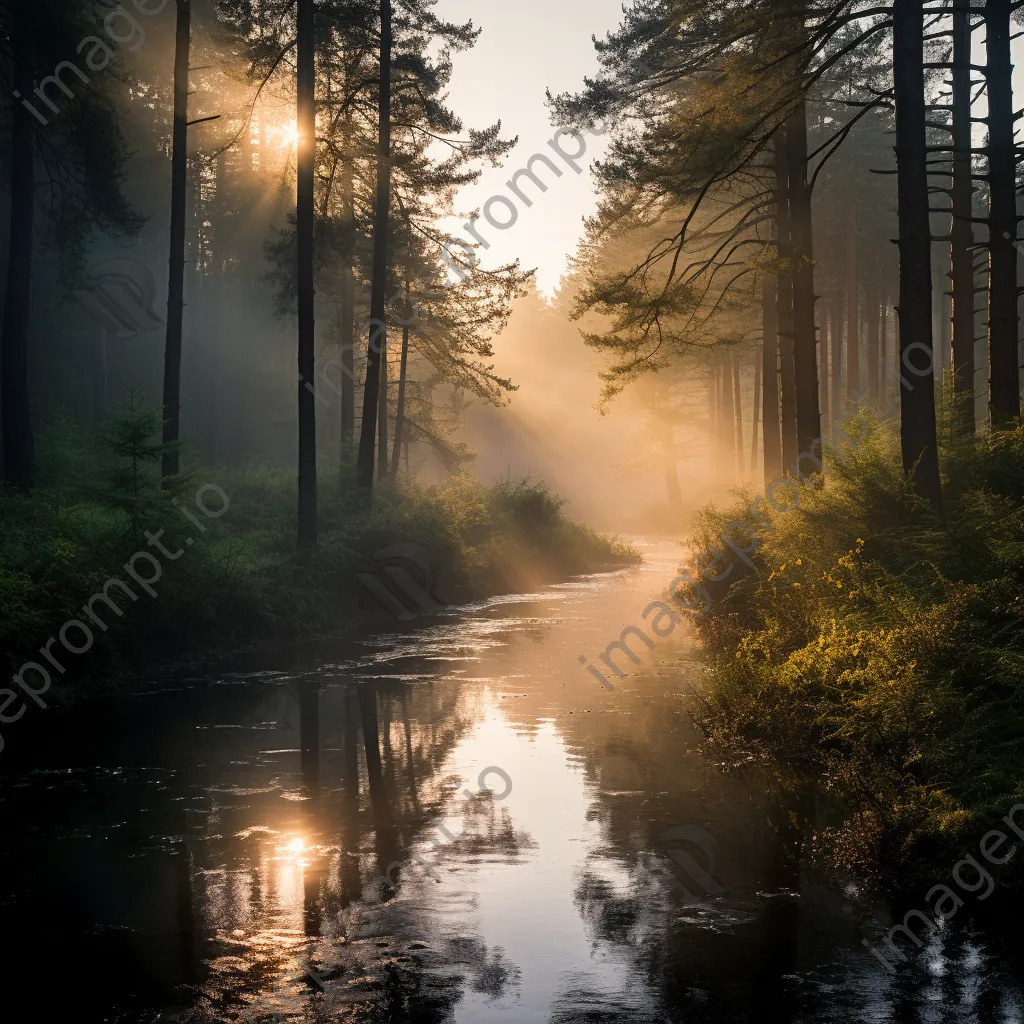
{"points": [[512, 512]]}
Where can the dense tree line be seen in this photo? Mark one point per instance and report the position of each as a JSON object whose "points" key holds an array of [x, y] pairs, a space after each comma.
{"points": [[763, 160], [299, 137]]}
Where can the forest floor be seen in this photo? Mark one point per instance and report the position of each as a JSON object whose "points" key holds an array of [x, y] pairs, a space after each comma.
{"points": [[102, 572], [869, 650]]}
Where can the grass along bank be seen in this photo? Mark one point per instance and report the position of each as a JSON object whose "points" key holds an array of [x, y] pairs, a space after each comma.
{"points": [[235, 576], [874, 652]]}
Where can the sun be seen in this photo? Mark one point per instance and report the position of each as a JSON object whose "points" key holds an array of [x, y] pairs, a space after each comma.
{"points": [[296, 846], [289, 135]]}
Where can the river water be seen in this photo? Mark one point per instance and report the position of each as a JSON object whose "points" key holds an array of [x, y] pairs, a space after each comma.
{"points": [[556, 851]]}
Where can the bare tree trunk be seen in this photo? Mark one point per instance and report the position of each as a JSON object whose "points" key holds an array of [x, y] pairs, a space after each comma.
{"points": [[306, 154], [15, 406], [727, 429], [755, 419], [714, 431], [382, 414], [671, 465], [883, 354], [1002, 177], [379, 282], [348, 306], [771, 420], [823, 398], [920, 449], [962, 231], [402, 372], [852, 313], [837, 357], [176, 270], [787, 368], [739, 415], [871, 313], [805, 341]]}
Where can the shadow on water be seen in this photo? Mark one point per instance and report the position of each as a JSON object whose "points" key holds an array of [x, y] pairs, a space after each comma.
{"points": [[453, 825]]}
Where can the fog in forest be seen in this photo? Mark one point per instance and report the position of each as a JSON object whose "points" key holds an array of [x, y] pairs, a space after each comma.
{"points": [[512, 511]]}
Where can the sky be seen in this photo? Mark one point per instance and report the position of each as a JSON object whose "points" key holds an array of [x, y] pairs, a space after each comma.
{"points": [[526, 47]]}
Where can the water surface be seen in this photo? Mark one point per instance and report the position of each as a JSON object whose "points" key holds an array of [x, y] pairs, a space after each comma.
{"points": [[217, 851]]}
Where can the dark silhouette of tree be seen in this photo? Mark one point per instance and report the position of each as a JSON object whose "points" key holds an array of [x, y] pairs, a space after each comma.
{"points": [[304, 222], [65, 159], [1004, 387], [176, 264], [919, 444]]}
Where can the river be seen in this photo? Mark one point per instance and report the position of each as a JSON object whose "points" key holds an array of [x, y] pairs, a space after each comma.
{"points": [[556, 851]]}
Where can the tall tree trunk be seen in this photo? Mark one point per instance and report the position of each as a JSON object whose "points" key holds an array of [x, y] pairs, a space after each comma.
{"points": [[836, 403], [871, 313], [962, 231], [306, 153], [1003, 361], [917, 411], [670, 462], [382, 413], [726, 422], [823, 338], [714, 432], [805, 340], [176, 268], [883, 354], [771, 423], [852, 313], [18, 438], [379, 282], [402, 373], [348, 305], [756, 418], [787, 368], [739, 414]]}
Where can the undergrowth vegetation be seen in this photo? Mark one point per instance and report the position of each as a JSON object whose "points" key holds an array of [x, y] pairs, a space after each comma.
{"points": [[875, 651], [241, 579]]}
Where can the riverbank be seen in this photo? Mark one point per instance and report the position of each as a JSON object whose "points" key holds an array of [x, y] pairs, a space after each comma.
{"points": [[100, 577], [871, 651]]}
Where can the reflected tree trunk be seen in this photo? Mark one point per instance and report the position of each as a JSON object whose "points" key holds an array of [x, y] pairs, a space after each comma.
{"points": [[187, 947], [309, 736], [371, 748]]}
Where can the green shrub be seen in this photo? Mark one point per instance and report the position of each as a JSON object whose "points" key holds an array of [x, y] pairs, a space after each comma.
{"points": [[241, 580], [876, 650]]}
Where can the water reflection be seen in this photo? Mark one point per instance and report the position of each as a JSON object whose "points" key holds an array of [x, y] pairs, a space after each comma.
{"points": [[319, 843]]}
